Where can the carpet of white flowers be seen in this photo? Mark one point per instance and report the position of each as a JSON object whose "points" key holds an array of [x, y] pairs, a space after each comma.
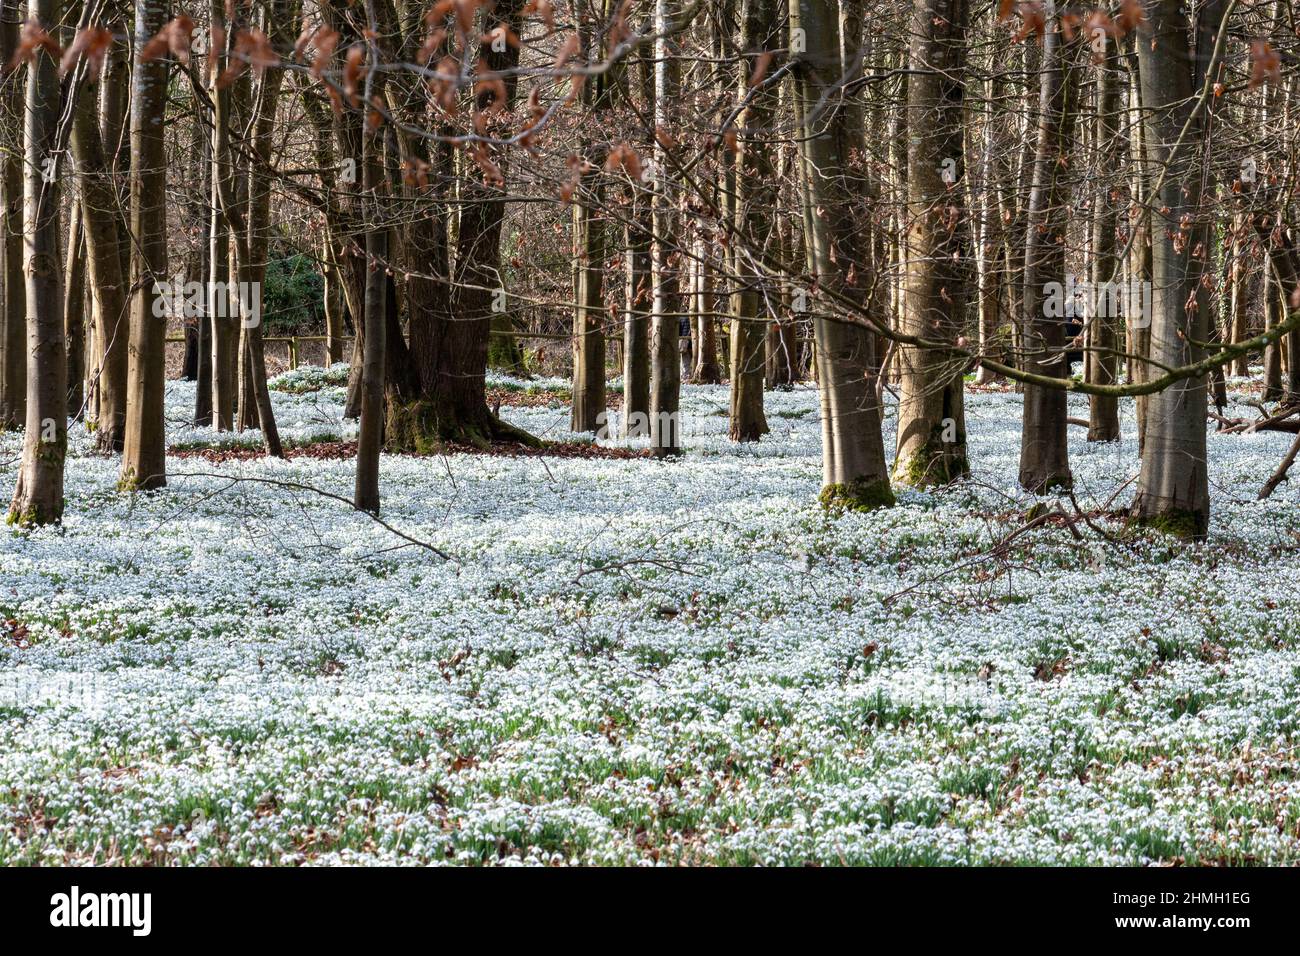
{"points": [[631, 661]]}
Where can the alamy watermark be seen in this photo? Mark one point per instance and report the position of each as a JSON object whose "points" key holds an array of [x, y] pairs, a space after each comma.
{"points": [[1107, 300], [75, 908], [221, 300]]}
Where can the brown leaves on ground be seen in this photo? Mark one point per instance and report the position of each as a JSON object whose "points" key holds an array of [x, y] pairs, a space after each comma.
{"points": [[1049, 670], [17, 632]]}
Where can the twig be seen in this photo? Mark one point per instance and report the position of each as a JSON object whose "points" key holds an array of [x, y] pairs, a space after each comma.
{"points": [[1279, 476], [299, 486]]}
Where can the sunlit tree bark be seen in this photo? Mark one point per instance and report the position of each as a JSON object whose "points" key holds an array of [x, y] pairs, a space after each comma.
{"points": [[854, 473], [931, 415], [38, 497]]}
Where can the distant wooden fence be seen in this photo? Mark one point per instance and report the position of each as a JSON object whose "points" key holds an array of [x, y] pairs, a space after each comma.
{"points": [[294, 343]]}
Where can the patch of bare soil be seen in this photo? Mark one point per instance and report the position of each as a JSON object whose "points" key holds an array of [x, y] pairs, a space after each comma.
{"points": [[514, 398]]}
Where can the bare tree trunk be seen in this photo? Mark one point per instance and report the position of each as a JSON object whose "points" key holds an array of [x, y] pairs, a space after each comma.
{"points": [[931, 412], [854, 473], [280, 17], [74, 310], [13, 291], [333, 257], [38, 496], [1239, 274], [1274, 314], [144, 450], [1103, 364], [333, 303], [371, 438], [1173, 488], [199, 203], [783, 361], [1138, 308], [588, 406], [1044, 456], [666, 258], [636, 322], [223, 321], [587, 412], [452, 363], [708, 368], [756, 193], [989, 278], [105, 231]]}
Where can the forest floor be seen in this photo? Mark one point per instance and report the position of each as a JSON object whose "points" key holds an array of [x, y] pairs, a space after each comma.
{"points": [[625, 660]]}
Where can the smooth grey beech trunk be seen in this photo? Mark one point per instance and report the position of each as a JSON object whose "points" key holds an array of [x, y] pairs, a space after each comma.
{"points": [[223, 325], [144, 447], [931, 413], [371, 436], [13, 290], [1103, 360], [756, 193], [1173, 487], [666, 258], [587, 412], [105, 232], [280, 15], [854, 473], [38, 496], [636, 322], [1044, 456]]}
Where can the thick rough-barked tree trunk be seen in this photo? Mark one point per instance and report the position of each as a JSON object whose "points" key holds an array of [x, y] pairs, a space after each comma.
{"points": [[931, 412], [144, 448], [1173, 488], [756, 193], [38, 497], [853, 453], [451, 357], [13, 292], [1044, 453], [666, 258]]}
